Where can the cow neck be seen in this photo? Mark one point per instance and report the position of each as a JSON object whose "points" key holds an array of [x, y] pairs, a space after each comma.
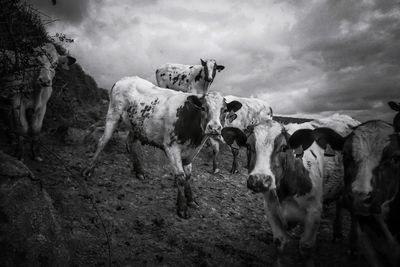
{"points": [[295, 179], [188, 126]]}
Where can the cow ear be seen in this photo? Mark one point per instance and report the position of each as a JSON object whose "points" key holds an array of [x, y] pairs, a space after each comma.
{"points": [[231, 117], [196, 102], [329, 140], [220, 67], [202, 62], [393, 105], [71, 60], [234, 106], [232, 134], [301, 140]]}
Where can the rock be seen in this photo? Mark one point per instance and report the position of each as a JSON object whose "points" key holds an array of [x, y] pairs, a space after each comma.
{"points": [[30, 234]]}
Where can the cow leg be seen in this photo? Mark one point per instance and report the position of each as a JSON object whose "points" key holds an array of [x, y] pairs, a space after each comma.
{"points": [[235, 165], [174, 156], [278, 230], [337, 223], [191, 202], [37, 122], [133, 146], [309, 236], [111, 124], [353, 234], [21, 125], [215, 148]]}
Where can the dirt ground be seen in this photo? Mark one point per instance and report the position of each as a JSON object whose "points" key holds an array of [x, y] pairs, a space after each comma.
{"points": [[229, 228]]}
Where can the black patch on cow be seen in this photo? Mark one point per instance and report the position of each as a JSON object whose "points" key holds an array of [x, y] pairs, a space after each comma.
{"points": [[188, 124], [191, 67], [303, 138], [323, 136], [175, 79], [183, 76], [231, 134], [292, 178], [198, 76], [167, 86], [187, 80], [234, 106]]}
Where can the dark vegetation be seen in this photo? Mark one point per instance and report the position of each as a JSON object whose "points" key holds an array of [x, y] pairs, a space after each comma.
{"points": [[137, 216]]}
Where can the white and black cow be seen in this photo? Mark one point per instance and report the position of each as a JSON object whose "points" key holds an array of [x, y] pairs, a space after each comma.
{"points": [[188, 78], [252, 112], [31, 91], [371, 156], [176, 122], [288, 171]]}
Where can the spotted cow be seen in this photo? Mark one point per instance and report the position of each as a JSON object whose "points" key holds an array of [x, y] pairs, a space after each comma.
{"points": [[252, 112], [188, 78], [30, 91], [371, 156], [176, 122], [288, 171]]}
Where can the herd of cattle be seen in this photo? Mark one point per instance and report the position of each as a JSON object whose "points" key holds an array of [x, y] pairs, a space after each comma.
{"points": [[297, 167]]}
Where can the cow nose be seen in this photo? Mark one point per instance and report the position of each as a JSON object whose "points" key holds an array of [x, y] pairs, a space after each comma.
{"points": [[362, 201], [259, 183], [214, 129], [44, 81]]}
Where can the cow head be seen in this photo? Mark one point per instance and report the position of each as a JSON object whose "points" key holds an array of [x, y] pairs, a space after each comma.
{"points": [[371, 158], [210, 67], [275, 158], [216, 110], [48, 60]]}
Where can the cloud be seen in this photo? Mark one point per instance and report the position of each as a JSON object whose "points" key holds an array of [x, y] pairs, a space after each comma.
{"points": [[304, 57]]}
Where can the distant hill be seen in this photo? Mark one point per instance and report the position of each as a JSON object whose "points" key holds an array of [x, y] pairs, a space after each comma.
{"points": [[286, 120]]}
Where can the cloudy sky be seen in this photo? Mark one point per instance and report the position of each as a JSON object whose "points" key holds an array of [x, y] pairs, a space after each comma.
{"points": [[302, 56]]}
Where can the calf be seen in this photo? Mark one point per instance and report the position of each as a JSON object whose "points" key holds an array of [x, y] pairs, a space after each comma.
{"points": [[252, 112], [288, 171], [195, 79], [175, 122], [31, 91], [371, 157]]}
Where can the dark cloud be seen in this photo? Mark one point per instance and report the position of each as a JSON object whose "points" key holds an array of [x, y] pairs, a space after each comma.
{"points": [[304, 57]]}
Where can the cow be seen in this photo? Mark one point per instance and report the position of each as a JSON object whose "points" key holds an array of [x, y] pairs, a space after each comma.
{"points": [[31, 91], [253, 111], [195, 79], [371, 157], [288, 170], [176, 122]]}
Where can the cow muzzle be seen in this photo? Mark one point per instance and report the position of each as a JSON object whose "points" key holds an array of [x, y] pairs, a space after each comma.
{"points": [[44, 81], [363, 204], [213, 129], [259, 183]]}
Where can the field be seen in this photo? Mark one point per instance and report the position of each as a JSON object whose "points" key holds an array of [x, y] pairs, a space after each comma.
{"points": [[229, 228]]}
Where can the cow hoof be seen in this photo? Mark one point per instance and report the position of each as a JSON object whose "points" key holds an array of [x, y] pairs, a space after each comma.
{"points": [[87, 172], [141, 177], [193, 204], [216, 171], [184, 214]]}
